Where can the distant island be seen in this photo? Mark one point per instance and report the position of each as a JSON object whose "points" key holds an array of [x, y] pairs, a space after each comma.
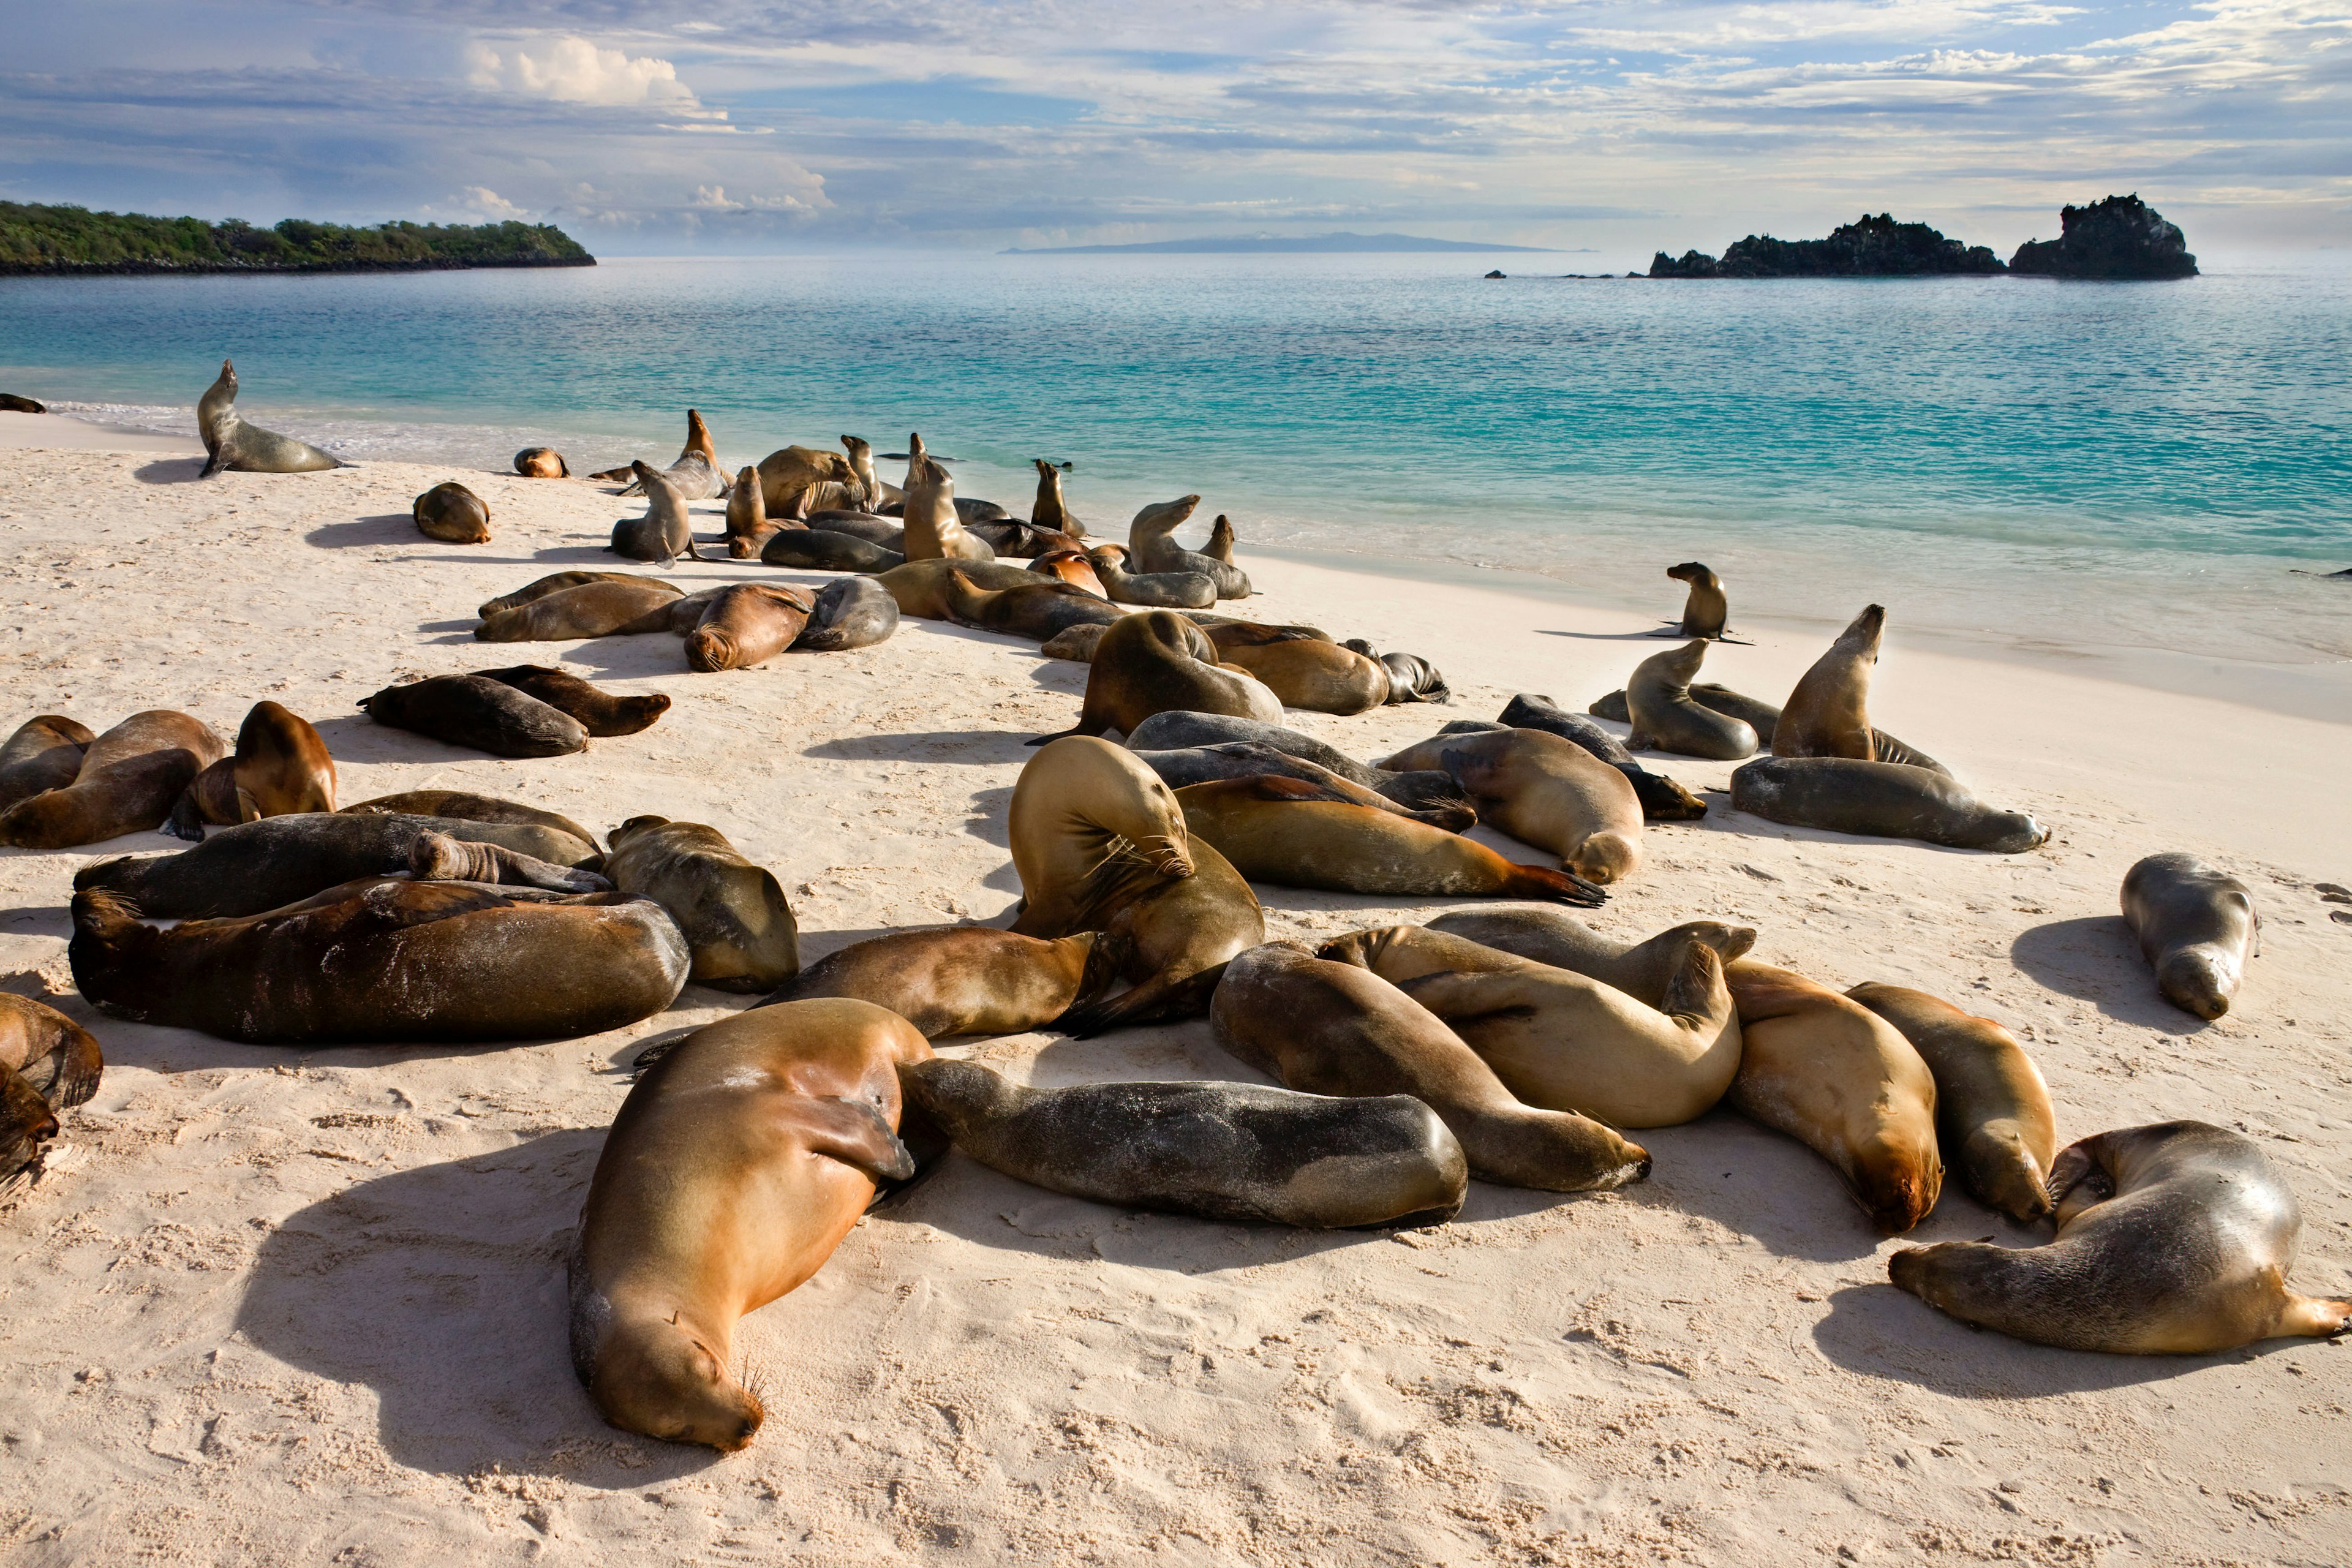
{"points": [[70, 240], [2120, 237], [1264, 245]]}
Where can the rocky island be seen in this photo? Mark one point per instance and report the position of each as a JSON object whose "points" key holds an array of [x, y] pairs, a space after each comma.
{"points": [[1867, 247], [2121, 237], [71, 240]]}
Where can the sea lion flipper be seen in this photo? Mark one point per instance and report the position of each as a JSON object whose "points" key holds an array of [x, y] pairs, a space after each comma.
{"points": [[853, 1132], [25, 1122], [187, 820]]}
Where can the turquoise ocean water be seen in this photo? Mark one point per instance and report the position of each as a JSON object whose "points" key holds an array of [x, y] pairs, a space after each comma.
{"points": [[2046, 464]]}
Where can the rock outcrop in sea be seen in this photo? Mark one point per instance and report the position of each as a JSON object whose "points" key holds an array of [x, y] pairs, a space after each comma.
{"points": [[1868, 247], [2122, 237]]}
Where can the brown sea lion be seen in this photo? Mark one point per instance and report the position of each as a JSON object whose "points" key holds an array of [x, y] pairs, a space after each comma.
{"points": [[541, 463], [1009, 536], [466, 807], [663, 533], [1226, 633], [1665, 718], [1992, 1110], [1842, 1081], [48, 1063], [920, 586], [870, 490], [11, 403], [747, 625], [747, 516], [1562, 1040], [1152, 548], [1155, 661], [477, 711], [231, 445], [619, 606], [1663, 799], [1705, 610], [1753, 712], [1173, 731], [956, 980], [1049, 509], [735, 1167], [1221, 1150], [129, 780], [2174, 1239], [556, 582], [45, 754], [1828, 714], [280, 765], [1543, 791], [1332, 1028], [1077, 644], [850, 613], [1297, 835], [453, 514], [1039, 610], [1161, 590], [822, 550], [695, 476], [1221, 541], [2196, 925], [1171, 941], [599, 712], [933, 531], [1320, 677], [737, 923], [1075, 567], [385, 960], [1642, 970], [793, 479], [1251, 759], [1879, 800]]}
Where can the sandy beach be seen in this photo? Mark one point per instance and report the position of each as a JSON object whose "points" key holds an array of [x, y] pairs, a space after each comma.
{"points": [[279, 1305]]}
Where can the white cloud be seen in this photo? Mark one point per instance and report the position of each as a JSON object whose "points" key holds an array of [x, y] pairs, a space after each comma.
{"points": [[574, 71], [489, 204]]}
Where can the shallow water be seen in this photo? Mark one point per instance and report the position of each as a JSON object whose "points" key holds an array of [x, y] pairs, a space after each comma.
{"points": [[2038, 463]]}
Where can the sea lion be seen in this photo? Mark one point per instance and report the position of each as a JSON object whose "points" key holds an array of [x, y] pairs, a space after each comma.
{"points": [[1040, 610], [11, 403], [1663, 799], [737, 923], [1992, 1110], [850, 613], [453, 514], [920, 586], [557, 582], [1170, 941], [1155, 661], [1049, 509], [1226, 633], [885, 531], [1011, 536], [1151, 544], [599, 712], [2196, 925], [1827, 715], [1221, 1150], [256, 867], [970, 511], [746, 625], [541, 463], [1412, 678], [1753, 712], [747, 516], [476, 711], [1543, 791], [1562, 1040], [1840, 1079], [1075, 567], [385, 960], [465, 806], [1642, 970], [695, 476], [1250, 759], [1665, 718], [933, 529], [1077, 644], [1162, 590], [48, 1063], [1171, 731], [663, 533], [1320, 677], [45, 754], [616, 607], [871, 491], [735, 1167], [794, 480], [2173, 1239], [1221, 541], [1705, 610], [1332, 1028], [1878, 800], [231, 445], [1297, 835], [435, 857], [956, 980], [822, 550], [129, 780], [280, 765]]}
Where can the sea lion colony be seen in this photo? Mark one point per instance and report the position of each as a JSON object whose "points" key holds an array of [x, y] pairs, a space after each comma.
{"points": [[1511, 1042]]}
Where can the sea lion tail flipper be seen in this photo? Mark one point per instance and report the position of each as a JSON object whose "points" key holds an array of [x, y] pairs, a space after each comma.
{"points": [[79, 1067], [853, 1132], [1555, 887]]}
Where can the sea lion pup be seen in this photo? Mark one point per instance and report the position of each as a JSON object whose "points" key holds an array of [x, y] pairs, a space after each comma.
{"points": [[477, 711], [453, 514], [1665, 719], [1992, 1110], [1842, 1081], [381, 961], [1221, 541], [797, 480], [746, 625], [934, 530], [1332, 1028], [737, 923], [1221, 1150], [557, 582], [1754, 711], [1049, 509], [1075, 567], [956, 980], [1706, 609], [735, 1167], [662, 534], [850, 613], [2173, 1239], [231, 445], [1297, 835], [10, 403], [1077, 644], [2196, 924], [870, 490], [1155, 661], [1081, 808], [885, 531], [280, 765], [1562, 1040], [541, 463], [1879, 800], [1827, 715], [1011, 536], [1249, 759], [48, 1063], [1543, 791], [1151, 545], [45, 754], [920, 586], [129, 780], [619, 605], [438, 857], [1431, 790], [465, 806], [1038, 609], [256, 866], [599, 712], [1161, 590], [747, 516], [1412, 678], [822, 550], [1663, 799], [1320, 677]]}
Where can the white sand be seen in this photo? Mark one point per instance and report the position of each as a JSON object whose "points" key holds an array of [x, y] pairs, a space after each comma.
{"points": [[307, 1306]]}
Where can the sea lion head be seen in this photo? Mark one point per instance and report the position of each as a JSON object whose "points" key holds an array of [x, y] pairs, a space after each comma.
{"points": [[1862, 636], [1605, 857], [661, 1379], [1167, 515], [1730, 942], [541, 463], [1690, 572], [2194, 979]]}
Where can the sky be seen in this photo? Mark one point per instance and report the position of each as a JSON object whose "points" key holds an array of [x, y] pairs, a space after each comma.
{"points": [[684, 126]]}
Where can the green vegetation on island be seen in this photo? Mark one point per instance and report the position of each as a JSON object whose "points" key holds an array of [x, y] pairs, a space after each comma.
{"points": [[73, 240]]}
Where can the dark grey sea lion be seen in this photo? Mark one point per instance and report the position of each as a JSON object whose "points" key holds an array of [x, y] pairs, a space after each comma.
{"points": [[737, 924], [599, 712], [662, 534], [888, 533], [970, 510], [232, 446], [1011, 536], [1753, 712], [1252, 759], [2196, 927], [1662, 800], [820, 550], [468, 806], [2173, 1239], [1174, 730], [453, 514], [1706, 609], [1878, 800], [1412, 678], [850, 613], [1221, 1150], [10, 403], [1665, 718], [1993, 1117], [1152, 547], [474, 710], [1161, 589]]}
